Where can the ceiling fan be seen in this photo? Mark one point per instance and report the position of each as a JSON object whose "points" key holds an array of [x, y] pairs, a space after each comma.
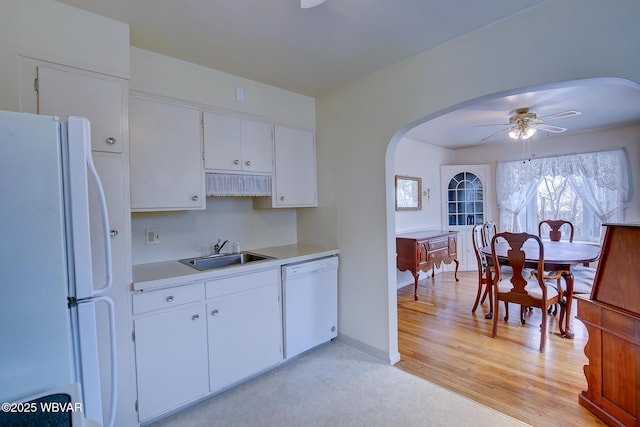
{"points": [[523, 124]]}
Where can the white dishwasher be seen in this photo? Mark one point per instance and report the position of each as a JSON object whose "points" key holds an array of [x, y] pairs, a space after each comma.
{"points": [[310, 290]]}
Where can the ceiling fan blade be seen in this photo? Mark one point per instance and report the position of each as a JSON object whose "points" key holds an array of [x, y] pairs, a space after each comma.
{"points": [[496, 134], [561, 115], [549, 128], [494, 124]]}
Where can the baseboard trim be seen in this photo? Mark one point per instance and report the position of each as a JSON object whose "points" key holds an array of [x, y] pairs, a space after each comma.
{"points": [[370, 350]]}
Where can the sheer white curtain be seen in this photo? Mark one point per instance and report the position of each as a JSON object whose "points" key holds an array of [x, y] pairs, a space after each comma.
{"points": [[602, 182], [600, 179], [516, 183]]}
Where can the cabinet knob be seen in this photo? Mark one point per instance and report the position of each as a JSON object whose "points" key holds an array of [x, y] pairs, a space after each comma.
{"points": [[170, 298], [111, 140], [281, 197], [113, 233], [248, 162], [194, 198], [236, 162], [195, 317], [214, 312]]}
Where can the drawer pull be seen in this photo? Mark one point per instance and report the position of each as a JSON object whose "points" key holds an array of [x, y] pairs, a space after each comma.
{"points": [[170, 298], [214, 312], [195, 317], [111, 140]]}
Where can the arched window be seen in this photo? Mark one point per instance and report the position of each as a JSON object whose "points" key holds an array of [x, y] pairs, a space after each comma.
{"points": [[465, 199]]}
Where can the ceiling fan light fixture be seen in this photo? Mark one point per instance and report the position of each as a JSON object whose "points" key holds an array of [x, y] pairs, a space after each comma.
{"points": [[523, 132], [306, 4]]}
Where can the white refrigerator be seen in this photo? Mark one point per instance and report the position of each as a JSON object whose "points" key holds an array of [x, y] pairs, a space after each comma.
{"points": [[49, 350]]}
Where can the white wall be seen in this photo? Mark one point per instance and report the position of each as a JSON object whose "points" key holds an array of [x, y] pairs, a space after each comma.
{"points": [[422, 160], [419, 159], [191, 233], [360, 124], [50, 29], [166, 76]]}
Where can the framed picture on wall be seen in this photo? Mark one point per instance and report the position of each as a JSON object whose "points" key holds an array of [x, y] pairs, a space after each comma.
{"points": [[408, 191]]}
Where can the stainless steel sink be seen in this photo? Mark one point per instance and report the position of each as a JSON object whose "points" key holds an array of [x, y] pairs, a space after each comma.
{"points": [[211, 262]]}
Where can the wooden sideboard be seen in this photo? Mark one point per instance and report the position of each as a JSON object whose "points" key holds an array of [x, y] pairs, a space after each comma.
{"points": [[611, 315], [422, 250]]}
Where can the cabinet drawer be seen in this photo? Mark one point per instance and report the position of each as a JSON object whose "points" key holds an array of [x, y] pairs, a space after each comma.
{"points": [[438, 243], [438, 254], [232, 284], [167, 298]]}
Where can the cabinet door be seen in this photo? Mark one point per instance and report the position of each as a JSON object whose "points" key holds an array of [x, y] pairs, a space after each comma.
{"points": [[222, 148], [111, 173], [166, 156], [237, 145], [110, 167], [295, 168], [171, 360], [97, 97], [257, 146], [245, 335]]}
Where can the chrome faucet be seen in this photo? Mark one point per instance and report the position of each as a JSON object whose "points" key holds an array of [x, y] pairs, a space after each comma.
{"points": [[217, 247]]}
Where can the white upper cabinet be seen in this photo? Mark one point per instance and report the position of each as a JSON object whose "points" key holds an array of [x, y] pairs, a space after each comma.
{"points": [[237, 145], [166, 155], [99, 98], [294, 183]]}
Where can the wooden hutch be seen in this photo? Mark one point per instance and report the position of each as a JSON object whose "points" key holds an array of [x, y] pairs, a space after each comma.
{"points": [[612, 317]]}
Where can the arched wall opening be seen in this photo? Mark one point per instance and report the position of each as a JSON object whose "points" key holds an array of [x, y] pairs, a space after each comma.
{"points": [[390, 166]]}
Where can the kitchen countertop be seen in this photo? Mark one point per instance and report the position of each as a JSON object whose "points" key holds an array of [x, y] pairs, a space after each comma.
{"points": [[168, 273]]}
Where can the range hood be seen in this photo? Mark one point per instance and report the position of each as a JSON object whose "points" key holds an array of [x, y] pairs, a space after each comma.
{"points": [[235, 185]]}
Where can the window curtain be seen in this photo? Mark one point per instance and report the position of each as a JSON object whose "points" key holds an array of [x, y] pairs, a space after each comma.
{"points": [[602, 182], [516, 185], [600, 179], [218, 184]]}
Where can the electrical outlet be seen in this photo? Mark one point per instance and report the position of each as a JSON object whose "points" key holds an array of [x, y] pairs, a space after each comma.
{"points": [[152, 236]]}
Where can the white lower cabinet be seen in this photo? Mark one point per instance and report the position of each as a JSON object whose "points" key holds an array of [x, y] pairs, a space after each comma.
{"points": [[193, 340], [171, 360], [245, 335]]}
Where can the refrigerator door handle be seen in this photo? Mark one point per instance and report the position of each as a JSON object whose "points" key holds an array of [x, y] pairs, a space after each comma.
{"points": [[106, 232], [80, 169], [90, 355]]}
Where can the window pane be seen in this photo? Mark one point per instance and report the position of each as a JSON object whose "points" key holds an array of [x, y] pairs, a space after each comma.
{"points": [[556, 199]]}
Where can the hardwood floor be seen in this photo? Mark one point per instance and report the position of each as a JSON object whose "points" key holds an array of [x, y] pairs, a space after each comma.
{"points": [[442, 341]]}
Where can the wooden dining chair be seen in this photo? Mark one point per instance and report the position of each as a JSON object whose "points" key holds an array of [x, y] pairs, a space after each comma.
{"points": [[489, 229], [522, 288], [483, 284], [555, 226]]}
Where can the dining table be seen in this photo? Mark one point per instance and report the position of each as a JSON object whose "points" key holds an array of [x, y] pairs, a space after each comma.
{"points": [[557, 257]]}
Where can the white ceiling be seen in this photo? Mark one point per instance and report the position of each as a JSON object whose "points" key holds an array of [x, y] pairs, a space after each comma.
{"points": [[604, 103], [311, 51], [308, 51]]}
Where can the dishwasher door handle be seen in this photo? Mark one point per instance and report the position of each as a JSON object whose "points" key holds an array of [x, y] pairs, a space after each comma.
{"points": [[297, 272]]}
